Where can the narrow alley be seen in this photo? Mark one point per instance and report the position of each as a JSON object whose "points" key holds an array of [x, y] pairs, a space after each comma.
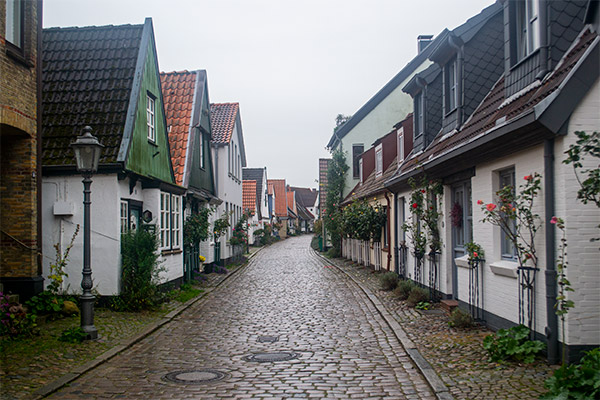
{"points": [[287, 326]]}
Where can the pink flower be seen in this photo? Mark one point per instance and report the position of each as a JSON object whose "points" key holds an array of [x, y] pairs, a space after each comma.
{"points": [[480, 202], [491, 207], [527, 177], [475, 254], [553, 220]]}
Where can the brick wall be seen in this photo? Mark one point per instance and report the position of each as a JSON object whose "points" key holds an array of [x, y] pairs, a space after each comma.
{"points": [[18, 156]]}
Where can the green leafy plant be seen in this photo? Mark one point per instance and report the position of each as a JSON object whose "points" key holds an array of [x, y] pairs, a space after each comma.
{"points": [[196, 227], [239, 234], [423, 305], [576, 381], [512, 344], [140, 272], [57, 269], [475, 251], [364, 221], [220, 226], [333, 214], [45, 303], [586, 146], [416, 296], [404, 288], [460, 319], [73, 335], [388, 281]]}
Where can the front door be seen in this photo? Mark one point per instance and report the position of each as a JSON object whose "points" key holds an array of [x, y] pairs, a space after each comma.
{"points": [[461, 216], [135, 214]]}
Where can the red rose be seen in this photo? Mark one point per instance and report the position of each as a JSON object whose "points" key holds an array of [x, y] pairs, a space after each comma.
{"points": [[554, 220], [527, 177], [490, 207], [415, 205], [480, 202], [475, 254]]}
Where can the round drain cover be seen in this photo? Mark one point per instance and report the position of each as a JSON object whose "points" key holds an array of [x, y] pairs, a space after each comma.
{"points": [[271, 357], [195, 376], [268, 339]]}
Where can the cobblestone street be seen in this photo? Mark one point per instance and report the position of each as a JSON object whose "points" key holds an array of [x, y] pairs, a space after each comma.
{"points": [[286, 326]]}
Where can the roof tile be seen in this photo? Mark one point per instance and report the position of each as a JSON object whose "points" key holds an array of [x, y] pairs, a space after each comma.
{"points": [[222, 118]]}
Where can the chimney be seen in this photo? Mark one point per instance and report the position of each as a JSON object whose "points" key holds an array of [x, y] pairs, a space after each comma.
{"points": [[423, 41]]}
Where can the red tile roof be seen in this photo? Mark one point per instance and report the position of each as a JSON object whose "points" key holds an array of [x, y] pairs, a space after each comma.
{"points": [[178, 96], [281, 204], [249, 195], [222, 118], [292, 202]]}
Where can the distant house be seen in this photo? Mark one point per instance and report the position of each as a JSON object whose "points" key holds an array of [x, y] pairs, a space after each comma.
{"points": [[262, 215], [108, 78], [20, 160], [229, 157], [250, 206], [187, 110], [521, 123], [307, 204], [280, 206], [292, 209]]}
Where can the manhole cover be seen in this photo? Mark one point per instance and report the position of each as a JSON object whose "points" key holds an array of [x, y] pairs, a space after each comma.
{"points": [[195, 376], [271, 357], [268, 339]]}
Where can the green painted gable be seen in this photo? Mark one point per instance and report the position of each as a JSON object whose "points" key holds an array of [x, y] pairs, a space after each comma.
{"points": [[146, 158], [202, 177]]}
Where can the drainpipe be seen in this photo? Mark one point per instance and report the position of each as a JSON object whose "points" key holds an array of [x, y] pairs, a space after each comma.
{"points": [[389, 207], [396, 235], [545, 64], [456, 43], [552, 318]]}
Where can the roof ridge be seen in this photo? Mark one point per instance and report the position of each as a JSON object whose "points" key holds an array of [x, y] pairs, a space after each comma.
{"points": [[90, 27]]}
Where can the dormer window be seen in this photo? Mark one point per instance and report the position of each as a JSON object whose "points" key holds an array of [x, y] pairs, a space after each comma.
{"points": [[357, 150], [526, 28], [378, 160], [400, 150], [450, 92], [150, 117], [418, 117]]}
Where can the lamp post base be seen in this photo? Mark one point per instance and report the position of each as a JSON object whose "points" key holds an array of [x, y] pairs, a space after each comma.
{"points": [[87, 316]]}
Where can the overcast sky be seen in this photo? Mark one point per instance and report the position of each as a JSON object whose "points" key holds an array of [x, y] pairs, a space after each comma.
{"points": [[292, 65]]}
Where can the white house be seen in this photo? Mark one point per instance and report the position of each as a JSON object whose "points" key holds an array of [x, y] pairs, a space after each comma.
{"points": [[229, 157]]}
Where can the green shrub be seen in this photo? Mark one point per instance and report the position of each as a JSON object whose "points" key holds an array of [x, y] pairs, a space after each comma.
{"points": [[416, 296], [314, 243], [577, 381], [333, 252], [15, 321], [388, 281], [460, 319], [403, 289], [45, 303], [423, 305], [512, 344], [139, 274], [73, 335]]}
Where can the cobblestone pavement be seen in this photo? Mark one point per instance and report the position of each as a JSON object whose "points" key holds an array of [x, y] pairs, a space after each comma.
{"points": [[457, 355], [284, 303]]}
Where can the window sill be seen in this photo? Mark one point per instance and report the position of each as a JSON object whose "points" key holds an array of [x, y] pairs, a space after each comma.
{"points": [[17, 54], [170, 252], [152, 142], [462, 262], [505, 268]]}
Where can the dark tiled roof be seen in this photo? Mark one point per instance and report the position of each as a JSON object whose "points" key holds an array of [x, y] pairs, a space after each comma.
{"points": [[87, 80], [249, 195], [304, 214], [305, 196], [222, 117], [495, 110], [178, 95], [254, 174]]}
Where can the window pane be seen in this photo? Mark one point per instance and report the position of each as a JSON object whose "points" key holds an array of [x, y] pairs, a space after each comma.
{"points": [[14, 15], [507, 178]]}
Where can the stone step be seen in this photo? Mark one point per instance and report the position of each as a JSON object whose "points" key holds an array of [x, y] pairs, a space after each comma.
{"points": [[448, 305]]}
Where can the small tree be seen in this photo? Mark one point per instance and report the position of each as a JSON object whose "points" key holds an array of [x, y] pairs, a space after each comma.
{"points": [[336, 181], [196, 227]]}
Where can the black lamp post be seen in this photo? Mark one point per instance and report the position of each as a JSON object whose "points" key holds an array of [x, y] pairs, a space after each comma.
{"points": [[87, 153]]}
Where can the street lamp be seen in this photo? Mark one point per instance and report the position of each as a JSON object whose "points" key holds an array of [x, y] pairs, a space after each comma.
{"points": [[87, 154]]}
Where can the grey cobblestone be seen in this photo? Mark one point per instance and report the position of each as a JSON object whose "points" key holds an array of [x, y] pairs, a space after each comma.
{"points": [[346, 350]]}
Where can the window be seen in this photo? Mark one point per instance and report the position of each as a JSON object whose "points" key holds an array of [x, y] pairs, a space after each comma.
{"points": [[176, 223], [201, 150], [360, 169], [400, 145], [170, 221], [14, 22], [450, 85], [507, 178], [357, 150], [124, 216], [386, 232], [379, 161], [418, 117], [527, 27], [150, 117]]}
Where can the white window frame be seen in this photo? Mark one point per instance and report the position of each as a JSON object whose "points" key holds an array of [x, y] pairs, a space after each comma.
{"points": [[379, 160], [124, 217], [418, 116], [507, 177], [450, 87], [360, 169], [400, 150], [176, 221], [165, 220], [15, 10], [151, 117], [201, 150]]}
